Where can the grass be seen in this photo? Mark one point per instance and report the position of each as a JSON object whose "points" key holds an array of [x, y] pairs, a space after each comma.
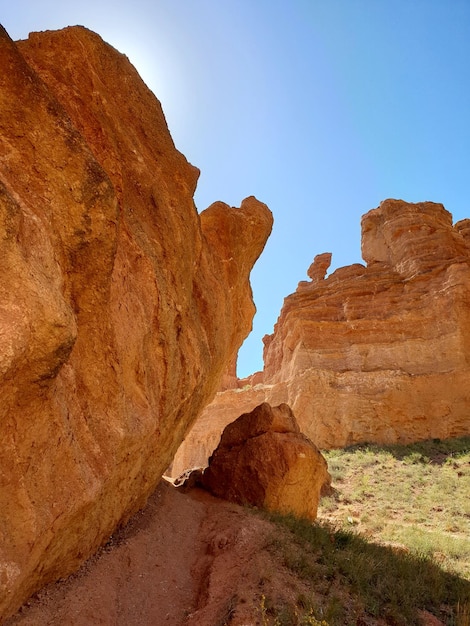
{"points": [[392, 540], [384, 582], [288, 616], [416, 496]]}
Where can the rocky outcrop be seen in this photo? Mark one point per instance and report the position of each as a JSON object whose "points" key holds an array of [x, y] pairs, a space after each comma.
{"points": [[120, 306], [264, 460], [371, 353]]}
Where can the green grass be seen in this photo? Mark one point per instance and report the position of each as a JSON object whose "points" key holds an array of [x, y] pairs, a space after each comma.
{"points": [[384, 582], [392, 540], [417, 496]]}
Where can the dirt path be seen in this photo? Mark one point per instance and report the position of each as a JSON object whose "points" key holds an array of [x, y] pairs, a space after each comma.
{"points": [[179, 561], [142, 577], [187, 559]]}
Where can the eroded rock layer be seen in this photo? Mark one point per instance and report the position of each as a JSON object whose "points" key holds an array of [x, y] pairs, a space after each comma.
{"points": [[120, 306], [371, 353]]}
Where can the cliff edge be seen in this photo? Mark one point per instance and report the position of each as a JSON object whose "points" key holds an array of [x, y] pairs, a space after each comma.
{"points": [[120, 306]]}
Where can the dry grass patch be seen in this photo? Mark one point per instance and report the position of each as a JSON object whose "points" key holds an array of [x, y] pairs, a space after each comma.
{"points": [[391, 544], [416, 496], [351, 580]]}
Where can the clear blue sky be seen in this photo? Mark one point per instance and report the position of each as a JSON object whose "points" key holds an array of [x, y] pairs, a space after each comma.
{"points": [[319, 108]]}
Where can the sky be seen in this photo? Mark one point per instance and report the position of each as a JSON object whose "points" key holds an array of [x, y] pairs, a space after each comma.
{"points": [[319, 108]]}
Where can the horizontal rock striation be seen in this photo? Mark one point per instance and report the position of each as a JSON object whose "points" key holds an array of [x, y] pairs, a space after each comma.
{"points": [[371, 353], [120, 306]]}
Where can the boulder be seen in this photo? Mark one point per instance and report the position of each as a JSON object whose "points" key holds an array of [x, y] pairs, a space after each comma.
{"points": [[120, 306], [370, 353], [264, 460]]}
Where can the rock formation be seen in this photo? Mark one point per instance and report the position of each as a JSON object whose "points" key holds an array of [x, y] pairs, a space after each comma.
{"points": [[264, 460], [375, 353], [120, 306]]}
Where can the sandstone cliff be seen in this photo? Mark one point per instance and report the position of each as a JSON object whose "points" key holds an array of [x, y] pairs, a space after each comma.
{"points": [[374, 353], [120, 306]]}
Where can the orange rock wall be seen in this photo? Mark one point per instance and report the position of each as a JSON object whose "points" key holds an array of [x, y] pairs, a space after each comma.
{"points": [[375, 353], [120, 306]]}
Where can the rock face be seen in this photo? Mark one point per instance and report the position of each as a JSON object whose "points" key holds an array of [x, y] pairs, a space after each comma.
{"points": [[120, 306], [375, 353], [264, 460]]}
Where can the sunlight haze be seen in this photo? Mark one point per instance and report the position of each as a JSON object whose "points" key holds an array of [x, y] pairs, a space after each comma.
{"points": [[319, 108]]}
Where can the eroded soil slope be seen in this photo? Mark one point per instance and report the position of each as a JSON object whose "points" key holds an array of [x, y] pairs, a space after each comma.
{"points": [[186, 559]]}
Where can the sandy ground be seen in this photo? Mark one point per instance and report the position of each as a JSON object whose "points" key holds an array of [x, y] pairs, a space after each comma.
{"points": [[185, 559]]}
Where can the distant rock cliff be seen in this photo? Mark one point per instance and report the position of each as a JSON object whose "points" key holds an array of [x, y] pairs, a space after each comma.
{"points": [[375, 353], [120, 306]]}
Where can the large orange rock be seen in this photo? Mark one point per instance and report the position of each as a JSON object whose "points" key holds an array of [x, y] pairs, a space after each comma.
{"points": [[375, 353], [264, 460], [120, 306]]}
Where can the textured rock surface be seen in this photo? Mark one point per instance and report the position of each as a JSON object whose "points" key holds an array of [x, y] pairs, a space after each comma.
{"points": [[120, 306], [205, 434], [264, 460], [370, 353]]}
